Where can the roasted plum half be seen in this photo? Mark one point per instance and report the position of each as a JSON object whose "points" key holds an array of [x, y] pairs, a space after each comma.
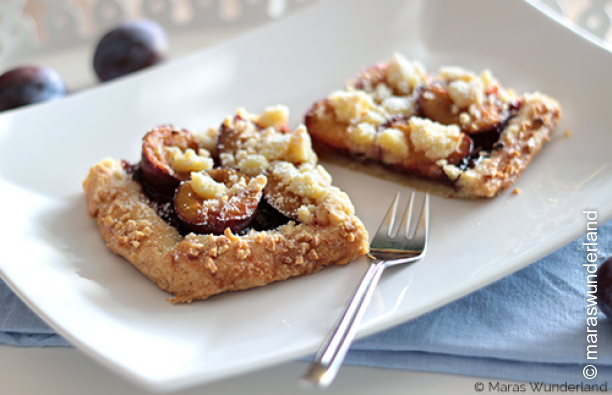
{"points": [[215, 200], [483, 123], [229, 139], [169, 156], [435, 102], [281, 198]]}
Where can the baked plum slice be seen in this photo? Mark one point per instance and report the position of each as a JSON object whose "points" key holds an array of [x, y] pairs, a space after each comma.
{"points": [[280, 198], [230, 140], [491, 116], [434, 102], [218, 199], [368, 79], [160, 147]]}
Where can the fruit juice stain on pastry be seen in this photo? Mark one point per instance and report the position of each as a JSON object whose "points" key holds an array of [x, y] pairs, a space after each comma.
{"points": [[205, 213], [455, 133]]}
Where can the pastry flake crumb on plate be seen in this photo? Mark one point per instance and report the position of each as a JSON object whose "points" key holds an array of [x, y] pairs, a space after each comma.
{"points": [[267, 214], [456, 133]]}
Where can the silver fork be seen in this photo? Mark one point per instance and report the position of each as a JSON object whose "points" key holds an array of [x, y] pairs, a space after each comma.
{"points": [[388, 248]]}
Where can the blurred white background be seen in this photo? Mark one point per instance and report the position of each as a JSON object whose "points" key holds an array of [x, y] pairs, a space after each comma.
{"points": [[63, 33]]}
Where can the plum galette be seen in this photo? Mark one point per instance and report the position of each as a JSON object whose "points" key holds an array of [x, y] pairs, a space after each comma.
{"points": [[456, 133], [224, 210]]}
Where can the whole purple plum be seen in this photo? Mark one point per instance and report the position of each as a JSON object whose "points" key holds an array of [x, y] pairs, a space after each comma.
{"points": [[129, 47], [604, 291], [29, 84]]}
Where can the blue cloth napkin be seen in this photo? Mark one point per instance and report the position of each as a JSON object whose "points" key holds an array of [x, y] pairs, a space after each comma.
{"points": [[530, 326]]}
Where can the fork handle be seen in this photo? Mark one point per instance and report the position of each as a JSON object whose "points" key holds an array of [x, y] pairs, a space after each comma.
{"points": [[332, 352]]}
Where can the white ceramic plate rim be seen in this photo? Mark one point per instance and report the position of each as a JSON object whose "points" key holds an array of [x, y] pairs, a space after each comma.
{"points": [[370, 327]]}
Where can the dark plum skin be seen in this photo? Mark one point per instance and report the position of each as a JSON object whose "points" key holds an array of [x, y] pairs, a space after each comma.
{"points": [[29, 84], [155, 167], [130, 47], [234, 212], [604, 289]]}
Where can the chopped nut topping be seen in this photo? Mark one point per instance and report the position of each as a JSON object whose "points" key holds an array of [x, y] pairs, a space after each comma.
{"points": [[243, 253], [210, 265]]}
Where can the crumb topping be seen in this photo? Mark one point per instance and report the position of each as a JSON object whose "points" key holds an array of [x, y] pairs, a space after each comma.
{"points": [[188, 161], [306, 193], [273, 116], [464, 94], [351, 105], [253, 165], [394, 145], [405, 75], [456, 73], [399, 105], [377, 105], [206, 187], [362, 136], [207, 139], [254, 149], [452, 172], [307, 181], [437, 141]]}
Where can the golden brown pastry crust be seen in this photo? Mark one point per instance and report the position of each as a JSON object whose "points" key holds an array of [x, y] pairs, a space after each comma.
{"points": [[199, 266]]}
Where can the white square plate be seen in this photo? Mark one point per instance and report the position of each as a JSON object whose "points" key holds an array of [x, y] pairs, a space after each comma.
{"points": [[53, 257]]}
